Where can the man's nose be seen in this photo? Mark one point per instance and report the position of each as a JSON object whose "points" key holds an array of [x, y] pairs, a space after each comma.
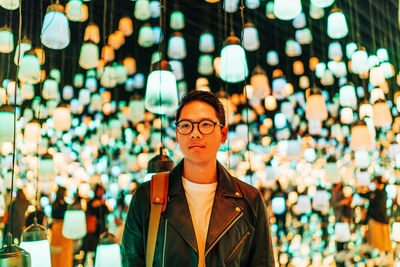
{"points": [[196, 132]]}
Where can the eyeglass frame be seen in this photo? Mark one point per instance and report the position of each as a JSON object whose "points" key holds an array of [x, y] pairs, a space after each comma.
{"points": [[198, 126]]}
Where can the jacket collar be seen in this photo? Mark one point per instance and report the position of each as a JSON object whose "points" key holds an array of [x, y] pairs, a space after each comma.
{"points": [[225, 206]]}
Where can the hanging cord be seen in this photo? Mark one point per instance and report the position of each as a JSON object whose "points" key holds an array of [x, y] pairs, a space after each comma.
{"points": [[10, 217], [104, 23], [245, 95], [371, 15], [161, 51]]}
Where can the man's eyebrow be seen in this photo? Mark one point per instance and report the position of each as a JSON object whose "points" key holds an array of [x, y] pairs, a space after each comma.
{"points": [[204, 118]]}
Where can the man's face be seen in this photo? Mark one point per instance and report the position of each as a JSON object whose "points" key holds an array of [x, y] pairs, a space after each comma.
{"points": [[196, 147]]}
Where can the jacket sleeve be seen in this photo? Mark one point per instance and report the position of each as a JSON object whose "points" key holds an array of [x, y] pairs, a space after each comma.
{"points": [[262, 253], [135, 232]]}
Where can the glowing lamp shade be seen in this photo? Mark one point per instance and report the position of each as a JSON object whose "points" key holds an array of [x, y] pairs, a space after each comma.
{"points": [[361, 158], [293, 48], [376, 94], [272, 58], [206, 43], [250, 39], [68, 92], [299, 21], [136, 110], [108, 78], [177, 21], [62, 118], [346, 116], [231, 6], [363, 178], [382, 115], [6, 118], [20, 51], [55, 31], [320, 200], [361, 138], [259, 82], [342, 232], [6, 40], [335, 51], [92, 33], [125, 25], [347, 96], [396, 232], [39, 251], [29, 71], [142, 10], [73, 10], [176, 46], [388, 70], [205, 66], [107, 53], [278, 205], [303, 205], [269, 10], [359, 61], [89, 56], [316, 12], [337, 25], [377, 76], [50, 89], [270, 102], [9, 4], [322, 3], [280, 120], [161, 92], [130, 65], [382, 54], [74, 226], [298, 67], [366, 110], [233, 61], [287, 9], [316, 107], [32, 133], [108, 255], [320, 69], [304, 82], [27, 91], [145, 38]]}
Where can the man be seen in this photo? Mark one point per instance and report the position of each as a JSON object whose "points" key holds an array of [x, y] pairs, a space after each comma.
{"points": [[212, 219]]}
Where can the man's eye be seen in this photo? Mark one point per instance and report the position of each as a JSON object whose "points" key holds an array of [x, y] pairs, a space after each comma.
{"points": [[185, 125], [206, 124]]}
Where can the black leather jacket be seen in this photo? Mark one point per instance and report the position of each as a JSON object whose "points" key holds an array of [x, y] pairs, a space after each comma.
{"points": [[238, 233]]}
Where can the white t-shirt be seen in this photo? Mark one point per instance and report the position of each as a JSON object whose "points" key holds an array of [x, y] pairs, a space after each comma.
{"points": [[200, 198]]}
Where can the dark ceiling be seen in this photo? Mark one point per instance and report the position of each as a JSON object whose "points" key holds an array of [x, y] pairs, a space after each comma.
{"points": [[371, 23]]}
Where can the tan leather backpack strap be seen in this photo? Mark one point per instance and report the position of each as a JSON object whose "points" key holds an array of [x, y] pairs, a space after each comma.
{"points": [[158, 198]]}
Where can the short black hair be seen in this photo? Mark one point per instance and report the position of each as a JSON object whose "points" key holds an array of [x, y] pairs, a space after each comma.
{"points": [[206, 97]]}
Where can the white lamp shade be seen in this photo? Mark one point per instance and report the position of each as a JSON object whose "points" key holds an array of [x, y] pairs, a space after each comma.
{"points": [[55, 31], [161, 92], [155, 9], [136, 110], [176, 47], [382, 115], [39, 251], [382, 54], [346, 116], [293, 48], [27, 91], [373, 61], [359, 62], [304, 36], [73, 10], [299, 21], [278, 205], [108, 78], [347, 96], [20, 51], [362, 159], [74, 226], [376, 94], [316, 12], [388, 70], [177, 21], [121, 75], [376, 76], [366, 110], [320, 200], [205, 66], [250, 39], [252, 4], [108, 255], [303, 205], [322, 3], [335, 51], [233, 64], [361, 138], [68, 92], [342, 232], [363, 179], [396, 232], [231, 6], [50, 89], [9, 4], [391, 191], [89, 56], [32, 133], [272, 58], [206, 43], [337, 25], [270, 102], [62, 119], [6, 133], [146, 38], [142, 10], [29, 70], [304, 82], [287, 9], [331, 171], [316, 108], [6, 41]]}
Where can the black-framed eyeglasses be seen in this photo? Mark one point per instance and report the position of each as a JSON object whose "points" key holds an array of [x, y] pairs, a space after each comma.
{"points": [[205, 126]]}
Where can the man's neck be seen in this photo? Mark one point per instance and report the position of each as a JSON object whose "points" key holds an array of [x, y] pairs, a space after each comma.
{"points": [[200, 173]]}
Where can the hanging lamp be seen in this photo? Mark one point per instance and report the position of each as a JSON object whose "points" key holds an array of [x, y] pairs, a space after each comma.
{"points": [[161, 91], [6, 40], [108, 252], [337, 25], [29, 70], [287, 9], [55, 31], [361, 138], [34, 241], [233, 61], [316, 106]]}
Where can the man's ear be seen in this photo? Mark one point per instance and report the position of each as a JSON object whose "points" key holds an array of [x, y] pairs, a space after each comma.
{"points": [[224, 132], [176, 135]]}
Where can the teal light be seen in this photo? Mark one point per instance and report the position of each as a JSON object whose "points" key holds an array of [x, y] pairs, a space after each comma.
{"points": [[233, 61], [55, 31]]}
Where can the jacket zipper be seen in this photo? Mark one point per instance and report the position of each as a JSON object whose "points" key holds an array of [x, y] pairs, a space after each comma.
{"points": [[233, 221], [237, 247], [165, 241]]}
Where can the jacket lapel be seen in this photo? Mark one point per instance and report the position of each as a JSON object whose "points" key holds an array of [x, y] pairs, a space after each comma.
{"points": [[177, 212], [225, 208]]}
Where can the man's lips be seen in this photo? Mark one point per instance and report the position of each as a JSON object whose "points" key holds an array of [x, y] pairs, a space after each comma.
{"points": [[197, 145]]}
